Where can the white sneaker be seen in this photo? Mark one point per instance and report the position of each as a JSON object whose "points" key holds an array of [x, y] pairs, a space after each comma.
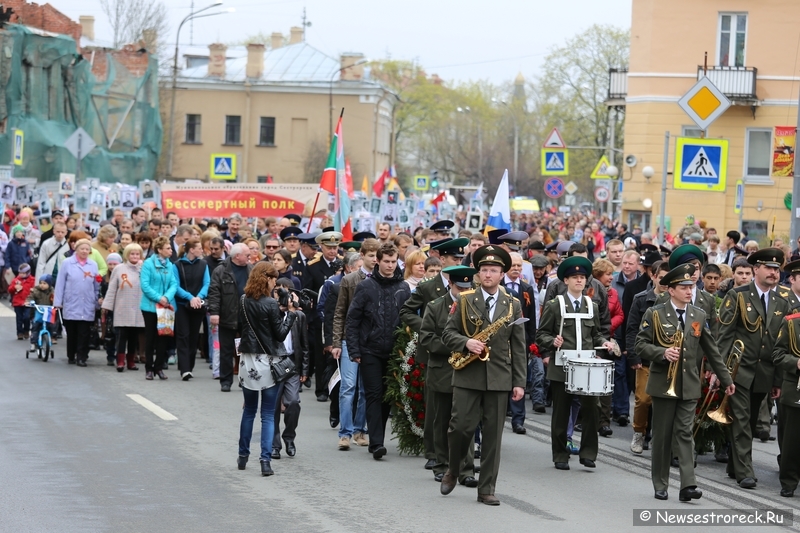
{"points": [[637, 443]]}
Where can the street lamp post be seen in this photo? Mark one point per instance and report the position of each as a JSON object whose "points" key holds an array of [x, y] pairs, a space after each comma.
{"points": [[330, 93], [480, 142], [188, 17], [516, 139]]}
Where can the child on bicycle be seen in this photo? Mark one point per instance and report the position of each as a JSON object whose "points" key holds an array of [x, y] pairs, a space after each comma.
{"points": [[42, 294], [19, 289]]}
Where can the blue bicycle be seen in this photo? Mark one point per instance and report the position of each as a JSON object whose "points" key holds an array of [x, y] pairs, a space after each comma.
{"points": [[41, 345]]}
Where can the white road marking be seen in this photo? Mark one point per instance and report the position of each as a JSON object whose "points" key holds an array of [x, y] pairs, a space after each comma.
{"points": [[153, 408]]}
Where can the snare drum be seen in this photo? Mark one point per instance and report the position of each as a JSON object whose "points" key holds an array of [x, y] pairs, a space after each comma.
{"points": [[589, 377]]}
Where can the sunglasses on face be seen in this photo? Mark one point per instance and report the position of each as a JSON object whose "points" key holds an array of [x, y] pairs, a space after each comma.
{"points": [[272, 247]]}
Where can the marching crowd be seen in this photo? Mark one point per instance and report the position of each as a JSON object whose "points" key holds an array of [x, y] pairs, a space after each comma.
{"points": [[497, 317]]}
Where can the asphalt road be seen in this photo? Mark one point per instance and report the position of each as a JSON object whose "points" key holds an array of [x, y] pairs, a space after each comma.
{"points": [[79, 455]]}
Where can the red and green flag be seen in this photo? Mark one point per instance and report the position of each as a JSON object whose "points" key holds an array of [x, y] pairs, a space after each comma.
{"points": [[336, 180]]}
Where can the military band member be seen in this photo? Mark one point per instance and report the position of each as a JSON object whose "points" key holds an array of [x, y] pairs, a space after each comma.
{"points": [[674, 407], [787, 360], [689, 254], [439, 373], [480, 389], [550, 336], [752, 314], [792, 293], [451, 252]]}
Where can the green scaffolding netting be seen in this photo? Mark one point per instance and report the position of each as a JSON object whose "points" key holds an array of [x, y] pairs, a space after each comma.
{"points": [[48, 90]]}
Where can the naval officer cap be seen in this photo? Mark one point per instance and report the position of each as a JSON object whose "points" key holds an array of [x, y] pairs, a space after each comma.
{"points": [[680, 275], [455, 247], [309, 238], [574, 266], [536, 245], [491, 255], [460, 275], [514, 239], [362, 236], [292, 232], [495, 234], [294, 219], [329, 238], [443, 226], [772, 257]]}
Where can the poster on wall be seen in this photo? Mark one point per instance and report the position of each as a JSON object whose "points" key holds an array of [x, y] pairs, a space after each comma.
{"points": [[784, 141]]}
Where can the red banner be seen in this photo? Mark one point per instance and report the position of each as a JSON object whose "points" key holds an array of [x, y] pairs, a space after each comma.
{"points": [[249, 200]]}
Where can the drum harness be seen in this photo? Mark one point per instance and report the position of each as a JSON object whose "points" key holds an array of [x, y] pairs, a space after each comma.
{"points": [[559, 361]]}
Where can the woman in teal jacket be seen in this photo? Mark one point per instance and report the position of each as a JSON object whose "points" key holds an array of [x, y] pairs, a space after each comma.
{"points": [[158, 287]]}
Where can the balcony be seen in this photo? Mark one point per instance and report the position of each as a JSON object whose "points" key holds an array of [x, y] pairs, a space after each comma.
{"points": [[617, 87], [737, 83]]}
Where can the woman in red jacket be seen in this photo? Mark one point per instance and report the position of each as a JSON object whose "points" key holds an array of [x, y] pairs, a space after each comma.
{"points": [[603, 271]]}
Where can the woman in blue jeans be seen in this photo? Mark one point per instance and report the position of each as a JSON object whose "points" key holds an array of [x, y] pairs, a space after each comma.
{"points": [[265, 325]]}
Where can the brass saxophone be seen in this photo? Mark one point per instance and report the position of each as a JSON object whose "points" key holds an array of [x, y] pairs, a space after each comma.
{"points": [[460, 360]]}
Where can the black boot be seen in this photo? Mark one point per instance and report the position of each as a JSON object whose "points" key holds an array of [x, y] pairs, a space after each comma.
{"points": [[266, 469], [241, 462]]}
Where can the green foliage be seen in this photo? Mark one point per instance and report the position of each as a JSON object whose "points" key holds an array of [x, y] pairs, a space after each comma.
{"points": [[466, 130]]}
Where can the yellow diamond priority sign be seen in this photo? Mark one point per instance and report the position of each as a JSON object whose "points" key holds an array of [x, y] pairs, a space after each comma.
{"points": [[704, 103]]}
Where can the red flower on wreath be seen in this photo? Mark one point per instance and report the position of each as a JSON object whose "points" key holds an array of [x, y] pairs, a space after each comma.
{"points": [[416, 373], [410, 394], [411, 361], [422, 366], [98, 278], [415, 384], [418, 397], [406, 377], [421, 416]]}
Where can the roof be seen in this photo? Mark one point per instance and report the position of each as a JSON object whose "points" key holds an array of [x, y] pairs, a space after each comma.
{"points": [[293, 63]]}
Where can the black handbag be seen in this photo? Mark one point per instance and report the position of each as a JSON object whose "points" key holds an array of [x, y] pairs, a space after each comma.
{"points": [[282, 368]]}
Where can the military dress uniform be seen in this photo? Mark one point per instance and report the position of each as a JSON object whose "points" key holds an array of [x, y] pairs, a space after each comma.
{"points": [[674, 414], [480, 390], [439, 377], [412, 313], [591, 329], [742, 317], [317, 271], [702, 299], [787, 357]]}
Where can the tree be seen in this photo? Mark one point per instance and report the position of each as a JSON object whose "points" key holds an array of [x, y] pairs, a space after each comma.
{"points": [[129, 18], [570, 93]]}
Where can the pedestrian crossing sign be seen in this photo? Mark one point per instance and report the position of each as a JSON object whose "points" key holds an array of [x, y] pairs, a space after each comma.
{"points": [[555, 162], [701, 164], [223, 166]]}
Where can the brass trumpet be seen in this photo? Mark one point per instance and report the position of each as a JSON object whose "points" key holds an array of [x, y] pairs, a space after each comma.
{"points": [[672, 371], [735, 358]]}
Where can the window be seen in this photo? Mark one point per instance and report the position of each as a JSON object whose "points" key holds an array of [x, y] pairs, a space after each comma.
{"points": [[756, 229], [758, 155], [732, 33], [192, 129], [266, 136], [233, 129]]}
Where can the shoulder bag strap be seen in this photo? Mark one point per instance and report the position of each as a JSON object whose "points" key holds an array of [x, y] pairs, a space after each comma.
{"points": [[244, 310], [49, 257]]}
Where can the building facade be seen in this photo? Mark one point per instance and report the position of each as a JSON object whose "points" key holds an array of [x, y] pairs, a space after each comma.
{"points": [[274, 108], [751, 49]]}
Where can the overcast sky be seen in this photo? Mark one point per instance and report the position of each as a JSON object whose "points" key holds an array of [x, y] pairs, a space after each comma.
{"points": [[457, 39]]}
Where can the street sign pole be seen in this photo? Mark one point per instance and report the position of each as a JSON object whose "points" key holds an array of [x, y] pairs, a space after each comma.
{"points": [[741, 207], [661, 228]]}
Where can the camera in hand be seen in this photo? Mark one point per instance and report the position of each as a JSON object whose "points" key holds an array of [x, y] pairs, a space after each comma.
{"points": [[282, 295]]}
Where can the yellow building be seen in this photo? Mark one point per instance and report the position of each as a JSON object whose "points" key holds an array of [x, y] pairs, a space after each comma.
{"points": [[274, 109], [752, 58]]}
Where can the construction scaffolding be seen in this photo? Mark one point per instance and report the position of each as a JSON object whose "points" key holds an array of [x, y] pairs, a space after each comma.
{"points": [[48, 90]]}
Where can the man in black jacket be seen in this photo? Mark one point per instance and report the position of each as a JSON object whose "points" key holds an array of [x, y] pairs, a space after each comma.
{"points": [[227, 286], [642, 402], [373, 317]]}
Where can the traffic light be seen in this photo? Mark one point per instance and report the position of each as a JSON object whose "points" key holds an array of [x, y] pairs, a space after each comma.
{"points": [[434, 179]]}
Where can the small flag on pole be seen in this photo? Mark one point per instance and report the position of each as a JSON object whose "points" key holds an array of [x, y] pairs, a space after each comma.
{"points": [[500, 215]]}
